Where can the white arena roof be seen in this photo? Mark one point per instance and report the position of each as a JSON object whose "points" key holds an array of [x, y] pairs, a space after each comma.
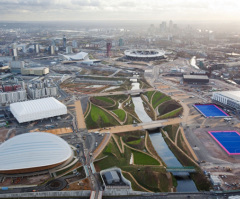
{"points": [[37, 109], [32, 150], [230, 94], [76, 57]]}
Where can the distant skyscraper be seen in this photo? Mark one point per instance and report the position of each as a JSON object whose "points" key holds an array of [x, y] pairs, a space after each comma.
{"points": [[64, 41], [74, 44], [121, 42], [15, 52], [69, 49], [109, 46], [52, 50], [163, 26], [36, 48]]}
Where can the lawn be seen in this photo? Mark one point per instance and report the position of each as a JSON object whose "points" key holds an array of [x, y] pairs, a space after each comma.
{"points": [[105, 99], [143, 159], [149, 95], [172, 114], [120, 113], [152, 177], [135, 142], [171, 131], [168, 106], [159, 98], [98, 118]]}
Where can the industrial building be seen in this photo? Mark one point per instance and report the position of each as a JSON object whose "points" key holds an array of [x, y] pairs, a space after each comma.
{"points": [[41, 89], [113, 177], [37, 109], [229, 99], [33, 152], [144, 55], [196, 79], [39, 71], [16, 66]]}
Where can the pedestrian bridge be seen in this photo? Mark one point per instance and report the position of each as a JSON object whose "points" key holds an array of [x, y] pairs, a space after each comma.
{"points": [[181, 169]]}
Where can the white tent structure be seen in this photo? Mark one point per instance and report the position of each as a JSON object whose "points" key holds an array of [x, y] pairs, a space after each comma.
{"points": [[37, 109]]}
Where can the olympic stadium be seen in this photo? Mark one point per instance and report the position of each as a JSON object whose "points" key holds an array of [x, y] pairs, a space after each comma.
{"points": [[34, 152], [144, 55]]}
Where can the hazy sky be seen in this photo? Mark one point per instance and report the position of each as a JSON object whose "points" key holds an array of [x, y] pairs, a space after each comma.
{"points": [[51, 10]]}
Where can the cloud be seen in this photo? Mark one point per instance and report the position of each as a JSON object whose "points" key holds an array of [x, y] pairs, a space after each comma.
{"points": [[118, 9]]}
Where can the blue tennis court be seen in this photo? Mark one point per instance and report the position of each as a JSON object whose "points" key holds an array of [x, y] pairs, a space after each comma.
{"points": [[228, 140], [210, 110]]}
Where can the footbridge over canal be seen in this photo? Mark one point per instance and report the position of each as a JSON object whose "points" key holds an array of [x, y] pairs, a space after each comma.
{"points": [[181, 169]]}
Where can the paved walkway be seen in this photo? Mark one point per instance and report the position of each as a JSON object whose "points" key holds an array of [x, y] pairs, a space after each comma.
{"points": [[117, 129], [79, 115]]}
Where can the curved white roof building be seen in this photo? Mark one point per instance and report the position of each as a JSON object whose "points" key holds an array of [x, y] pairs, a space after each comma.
{"points": [[37, 109], [31, 152], [144, 54], [76, 57]]}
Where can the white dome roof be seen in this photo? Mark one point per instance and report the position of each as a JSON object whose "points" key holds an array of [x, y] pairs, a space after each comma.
{"points": [[31, 150]]}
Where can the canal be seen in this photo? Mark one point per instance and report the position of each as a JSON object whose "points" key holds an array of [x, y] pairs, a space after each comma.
{"points": [[185, 183]]}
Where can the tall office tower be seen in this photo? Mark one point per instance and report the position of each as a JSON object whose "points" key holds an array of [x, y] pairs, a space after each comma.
{"points": [[120, 42], [36, 48], [109, 46], [64, 41], [15, 52], [52, 50], [69, 49], [163, 26], [74, 44]]}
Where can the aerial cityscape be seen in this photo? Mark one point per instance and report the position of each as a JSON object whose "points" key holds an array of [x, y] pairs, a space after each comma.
{"points": [[120, 101]]}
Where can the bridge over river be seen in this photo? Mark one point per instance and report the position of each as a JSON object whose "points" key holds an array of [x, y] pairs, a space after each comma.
{"points": [[181, 169]]}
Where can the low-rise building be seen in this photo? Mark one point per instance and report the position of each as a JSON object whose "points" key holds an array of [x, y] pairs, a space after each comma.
{"points": [[39, 71]]}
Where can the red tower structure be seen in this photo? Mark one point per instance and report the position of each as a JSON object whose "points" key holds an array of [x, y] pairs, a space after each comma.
{"points": [[109, 46]]}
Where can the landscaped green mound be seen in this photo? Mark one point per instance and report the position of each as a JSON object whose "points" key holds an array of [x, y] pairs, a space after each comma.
{"points": [[139, 165], [168, 106], [120, 114], [99, 118], [163, 105], [159, 98], [102, 101]]}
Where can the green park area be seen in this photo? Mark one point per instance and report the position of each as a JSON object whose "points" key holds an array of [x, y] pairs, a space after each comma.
{"points": [[174, 138], [107, 111], [164, 106], [134, 154]]}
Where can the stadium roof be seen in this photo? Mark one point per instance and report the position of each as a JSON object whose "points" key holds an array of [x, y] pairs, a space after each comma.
{"points": [[37, 109], [230, 94], [76, 57], [32, 150], [144, 53]]}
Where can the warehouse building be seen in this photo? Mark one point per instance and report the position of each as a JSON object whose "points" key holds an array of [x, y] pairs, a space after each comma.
{"points": [[16, 66], [37, 109], [196, 79], [33, 152], [38, 71], [229, 99]]}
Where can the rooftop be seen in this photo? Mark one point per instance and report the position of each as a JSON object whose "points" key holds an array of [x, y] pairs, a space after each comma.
{"points": [[195, 77], [231, 94], [33, 150]]}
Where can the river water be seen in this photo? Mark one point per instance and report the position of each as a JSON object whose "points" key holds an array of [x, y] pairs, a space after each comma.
{"points": [[185, 183]]}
